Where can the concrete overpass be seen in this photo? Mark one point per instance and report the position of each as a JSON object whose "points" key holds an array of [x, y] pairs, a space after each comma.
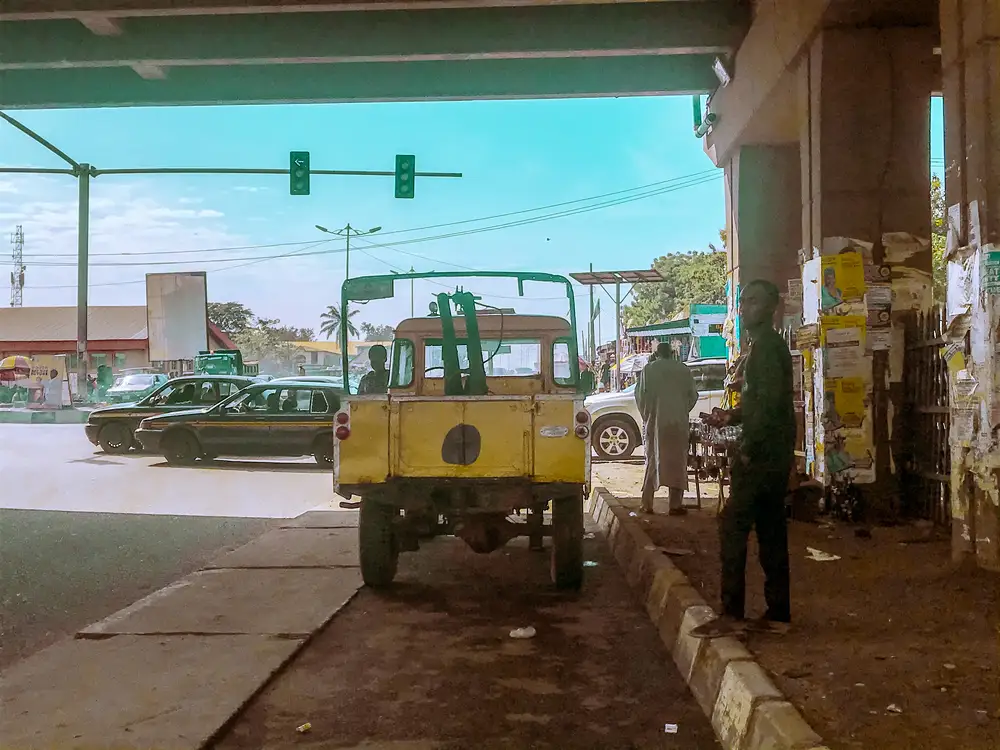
{"points": [[68, 53]]}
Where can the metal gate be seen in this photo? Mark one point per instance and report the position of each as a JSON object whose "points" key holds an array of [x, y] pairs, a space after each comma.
{"points": [[926, 464]]}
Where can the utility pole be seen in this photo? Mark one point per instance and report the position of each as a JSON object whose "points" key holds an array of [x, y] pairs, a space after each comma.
{"points": [[17, 275], [618, 334], [593, 346], [412, 307], [82, 270], [348, 232]]}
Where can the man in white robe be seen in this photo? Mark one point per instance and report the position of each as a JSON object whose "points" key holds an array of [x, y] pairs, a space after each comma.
{"points": [[665, 394]]}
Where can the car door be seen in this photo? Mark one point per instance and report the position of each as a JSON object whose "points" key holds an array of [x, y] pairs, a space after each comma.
{"points": [[238, 426], [291, 430]]}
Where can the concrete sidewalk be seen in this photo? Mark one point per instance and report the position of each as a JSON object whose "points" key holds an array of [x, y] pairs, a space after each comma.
{"points": [[172, 670]]}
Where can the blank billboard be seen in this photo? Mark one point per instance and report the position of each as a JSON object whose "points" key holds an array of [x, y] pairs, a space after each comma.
{"points": [[176, 315]]}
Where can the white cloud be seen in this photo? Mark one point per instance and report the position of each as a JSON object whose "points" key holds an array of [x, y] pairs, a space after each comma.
{"points": [[8, 187], [249, 189], [125, 220]]}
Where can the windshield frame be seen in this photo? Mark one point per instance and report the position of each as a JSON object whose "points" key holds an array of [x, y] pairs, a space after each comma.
{"points": [[520, 277]]}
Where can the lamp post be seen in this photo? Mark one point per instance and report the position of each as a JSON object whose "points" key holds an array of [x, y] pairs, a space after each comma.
{"points": [[348, 232]]}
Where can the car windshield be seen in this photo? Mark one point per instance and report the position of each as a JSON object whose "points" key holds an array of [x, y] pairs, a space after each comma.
{"points": [[136, 381]]}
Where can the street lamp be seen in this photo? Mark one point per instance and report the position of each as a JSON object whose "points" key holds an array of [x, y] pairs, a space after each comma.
{"points": [[348, 232]]}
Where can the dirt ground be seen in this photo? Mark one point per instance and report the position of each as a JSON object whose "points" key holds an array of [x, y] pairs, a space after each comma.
{"points": [[430, 665], [891, 647]]}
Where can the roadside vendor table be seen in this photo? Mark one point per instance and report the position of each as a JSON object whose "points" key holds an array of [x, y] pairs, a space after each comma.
{"points": [[709, 454]]}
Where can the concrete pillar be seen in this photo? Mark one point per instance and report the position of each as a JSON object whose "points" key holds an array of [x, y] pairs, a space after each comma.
{"points": [[970, 57], [864, 121], [864, 117], [763, 213]]}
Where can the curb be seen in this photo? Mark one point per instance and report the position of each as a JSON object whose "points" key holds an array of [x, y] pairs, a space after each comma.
{"points": [[42, 416], [746, 709]]}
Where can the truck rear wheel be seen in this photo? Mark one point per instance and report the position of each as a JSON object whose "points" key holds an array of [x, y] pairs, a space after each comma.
{"points": [[377, 541], [567, 542]]}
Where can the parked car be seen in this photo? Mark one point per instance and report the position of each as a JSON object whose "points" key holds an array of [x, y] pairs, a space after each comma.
{"points": [[617, 424], [266, 419], [133, 387], [113, 427]]}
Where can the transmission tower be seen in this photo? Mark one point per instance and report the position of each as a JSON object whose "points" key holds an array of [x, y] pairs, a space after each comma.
{"points": [[17, 275]]}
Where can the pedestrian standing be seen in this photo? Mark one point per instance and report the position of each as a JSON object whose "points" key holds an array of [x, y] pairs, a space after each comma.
{"points": [[759, 473], [665, 394]]}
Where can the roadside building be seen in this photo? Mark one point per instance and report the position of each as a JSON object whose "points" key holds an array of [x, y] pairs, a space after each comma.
{"points": [[116, 336]]}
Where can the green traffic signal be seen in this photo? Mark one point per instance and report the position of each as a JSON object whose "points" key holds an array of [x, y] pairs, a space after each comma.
{"points": [[406, 171], [298, 172]]}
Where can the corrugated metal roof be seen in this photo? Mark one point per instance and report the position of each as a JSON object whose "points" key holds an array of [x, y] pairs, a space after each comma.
{"points": [[59, 323]]}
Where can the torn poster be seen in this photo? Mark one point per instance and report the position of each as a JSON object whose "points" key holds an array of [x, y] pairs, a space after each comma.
{"points": [[844, 352]]}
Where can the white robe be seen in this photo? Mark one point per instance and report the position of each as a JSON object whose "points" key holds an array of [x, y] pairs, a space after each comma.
{"points": [[665, 394]]}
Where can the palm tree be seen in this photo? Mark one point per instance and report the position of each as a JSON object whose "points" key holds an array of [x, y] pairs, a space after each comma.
{"points": [[332, 322]]}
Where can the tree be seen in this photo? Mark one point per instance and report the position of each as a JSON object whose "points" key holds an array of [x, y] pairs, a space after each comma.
{"points": [[377, 332], [332, 322], [939, 234], [691, 279], [231, 317], [291, 333], [262, 344]]}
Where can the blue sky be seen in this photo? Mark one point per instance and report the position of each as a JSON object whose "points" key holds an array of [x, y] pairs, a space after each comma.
{"points": [[515, 156]]}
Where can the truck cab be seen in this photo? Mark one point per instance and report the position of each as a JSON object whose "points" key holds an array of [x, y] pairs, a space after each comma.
{"points": [[483, 418]]}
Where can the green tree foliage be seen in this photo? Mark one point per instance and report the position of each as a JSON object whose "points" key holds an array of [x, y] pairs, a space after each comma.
{"points": [[691, 278], [231, 317], [374, 332], [332, 321], [939, 233], [263, 344]]}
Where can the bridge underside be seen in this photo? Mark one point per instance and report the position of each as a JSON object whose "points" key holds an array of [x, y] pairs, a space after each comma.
{"points": [[56, 53]]}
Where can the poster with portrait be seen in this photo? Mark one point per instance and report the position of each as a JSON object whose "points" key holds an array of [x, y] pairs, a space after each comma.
{"points": [[845, 403], [842, 280]]}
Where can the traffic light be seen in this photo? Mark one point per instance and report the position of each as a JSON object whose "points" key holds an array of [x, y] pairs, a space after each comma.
{"points": [[406, 171], [298, 173]]}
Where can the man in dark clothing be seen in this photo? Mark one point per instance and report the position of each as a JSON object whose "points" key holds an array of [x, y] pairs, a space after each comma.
{"points": [[377, 379], [759, 473]]}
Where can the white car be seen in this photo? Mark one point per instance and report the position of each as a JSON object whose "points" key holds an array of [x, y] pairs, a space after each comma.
{"points": [[617, 424]]}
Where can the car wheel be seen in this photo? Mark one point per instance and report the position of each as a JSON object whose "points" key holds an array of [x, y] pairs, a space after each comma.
{"points": [[181, 448], [323, 451], [615, 438], [115, 438]]}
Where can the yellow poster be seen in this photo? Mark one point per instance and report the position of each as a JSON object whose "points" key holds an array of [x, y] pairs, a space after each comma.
{"points": [[843, 280], [845, 404]]}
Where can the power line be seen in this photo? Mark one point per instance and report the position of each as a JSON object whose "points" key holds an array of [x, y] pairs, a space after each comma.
{"points": [[649, 190], [415, 240]]}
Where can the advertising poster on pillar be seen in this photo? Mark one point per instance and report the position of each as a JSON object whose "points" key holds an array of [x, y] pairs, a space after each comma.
{"points": [[849, 452], [843, 280], [845, 403], [844, 345]]}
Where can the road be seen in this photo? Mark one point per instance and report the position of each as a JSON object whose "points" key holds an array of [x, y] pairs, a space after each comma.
{"points": [[430, 664], [83, 534]]}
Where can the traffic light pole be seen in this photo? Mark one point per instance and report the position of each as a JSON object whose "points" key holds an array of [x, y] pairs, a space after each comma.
{"points": [[82, 271]]}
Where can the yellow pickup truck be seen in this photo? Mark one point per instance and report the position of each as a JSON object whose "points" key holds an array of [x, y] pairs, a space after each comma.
{"points": [[482, 428]]}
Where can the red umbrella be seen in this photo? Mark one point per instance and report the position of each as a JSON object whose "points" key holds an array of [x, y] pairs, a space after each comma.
{"points": [[14, 368]]}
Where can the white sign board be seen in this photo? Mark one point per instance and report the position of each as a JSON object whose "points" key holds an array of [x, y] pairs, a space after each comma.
{"points": [[176, 315]]}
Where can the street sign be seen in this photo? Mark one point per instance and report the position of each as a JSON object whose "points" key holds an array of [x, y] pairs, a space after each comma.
{"points": [[298, 173], [406, 171]]}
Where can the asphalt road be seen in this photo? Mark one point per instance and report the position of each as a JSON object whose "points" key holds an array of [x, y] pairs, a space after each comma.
{"points": [[430, 664], [83, 534]]}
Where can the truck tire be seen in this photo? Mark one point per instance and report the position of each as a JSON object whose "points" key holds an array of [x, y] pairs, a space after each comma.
{"points": [[615, 438], [379, 549], [115, 438], [181, 448], [567, 542]]}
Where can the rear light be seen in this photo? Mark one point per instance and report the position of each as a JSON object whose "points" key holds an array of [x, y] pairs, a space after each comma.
{"points": [[343, 417], [582, 417], [343, 432], [582, 431]]}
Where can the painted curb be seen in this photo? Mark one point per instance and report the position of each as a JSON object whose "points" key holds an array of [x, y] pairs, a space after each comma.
{"points": [[746, 709]]}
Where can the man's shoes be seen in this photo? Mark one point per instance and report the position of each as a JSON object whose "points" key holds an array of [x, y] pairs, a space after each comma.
{"points": [[721, 627], [768, 627]]}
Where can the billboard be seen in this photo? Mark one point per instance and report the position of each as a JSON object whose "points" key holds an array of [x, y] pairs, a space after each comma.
{"points": [[176, 315]]}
